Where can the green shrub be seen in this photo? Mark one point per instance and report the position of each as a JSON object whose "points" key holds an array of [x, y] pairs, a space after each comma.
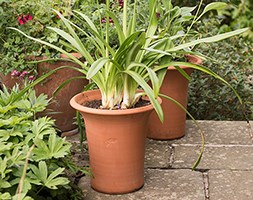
{"points": [[32, 156], [209, 99], [239, 15]]}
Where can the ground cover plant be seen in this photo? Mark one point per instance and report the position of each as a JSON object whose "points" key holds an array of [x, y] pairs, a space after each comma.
{"points": [[32, 155], [211, 100]]}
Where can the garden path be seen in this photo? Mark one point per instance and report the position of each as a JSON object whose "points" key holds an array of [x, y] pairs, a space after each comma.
{"points": [[225, 172]]}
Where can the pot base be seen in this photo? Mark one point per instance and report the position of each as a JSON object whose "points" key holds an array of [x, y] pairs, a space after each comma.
{"points": [[119, 191]]}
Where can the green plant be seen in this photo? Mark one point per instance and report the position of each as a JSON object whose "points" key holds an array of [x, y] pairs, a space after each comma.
{"points": [[208, 98], [31, 155], [32, 17], [141, 55], [239, 15]]}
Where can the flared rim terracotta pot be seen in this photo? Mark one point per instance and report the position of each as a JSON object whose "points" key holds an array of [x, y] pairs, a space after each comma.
{"points": [[174, 85], [116, 142]]}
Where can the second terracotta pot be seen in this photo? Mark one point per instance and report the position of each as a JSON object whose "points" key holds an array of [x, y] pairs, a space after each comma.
{"points": [[61, 111], [174, 85], [116, 142]]}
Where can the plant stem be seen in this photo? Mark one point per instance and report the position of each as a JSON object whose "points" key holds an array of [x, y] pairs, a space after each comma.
{"points": [[20, 185], [193, 22]]}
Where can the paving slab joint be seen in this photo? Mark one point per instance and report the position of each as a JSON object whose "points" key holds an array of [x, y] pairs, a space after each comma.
{"points": [[206, 184], [171, 156], [250, 130]]}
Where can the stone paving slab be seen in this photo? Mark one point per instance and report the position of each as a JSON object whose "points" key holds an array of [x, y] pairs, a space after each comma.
{"points": [[227, 163], [217, 132], [157, 154], [159, 185], [230, 185], [215, 157]]}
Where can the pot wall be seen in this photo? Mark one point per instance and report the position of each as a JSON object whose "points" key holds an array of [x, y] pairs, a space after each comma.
{"points": [[175, 85], [116, 142]]}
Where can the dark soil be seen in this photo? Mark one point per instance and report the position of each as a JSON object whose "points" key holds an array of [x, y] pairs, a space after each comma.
{"points": [[97, 104]]}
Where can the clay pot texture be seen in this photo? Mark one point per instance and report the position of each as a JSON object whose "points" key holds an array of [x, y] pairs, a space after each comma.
{"points": [[63, 113], [116, 143], [174, 85]]}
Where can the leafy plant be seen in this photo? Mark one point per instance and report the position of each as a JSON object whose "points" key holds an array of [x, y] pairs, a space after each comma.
{"points": [[31, 153], [239, 15], [118, 73], [231, 58], [32, 17], [140, 56]]}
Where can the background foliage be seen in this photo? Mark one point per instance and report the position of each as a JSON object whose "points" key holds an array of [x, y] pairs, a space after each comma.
{"points": [[232, 60], [15, 49], [208, 98]]}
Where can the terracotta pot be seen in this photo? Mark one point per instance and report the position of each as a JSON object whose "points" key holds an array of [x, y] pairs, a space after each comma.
{"points": [[116, 142], [63, 113], [174, 85]]}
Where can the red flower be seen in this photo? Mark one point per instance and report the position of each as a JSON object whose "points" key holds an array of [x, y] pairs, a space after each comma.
{"points": [[158, 15], [57, 16], [22, 19], [121, 3], [28, 17], [110, 20], [103, 20], [15, 73], [30, 78], [23, 74]]}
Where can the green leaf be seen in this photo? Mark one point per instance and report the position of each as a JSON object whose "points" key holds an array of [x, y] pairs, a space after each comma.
{"points": [[147, 89], [96, 66], [56, 148], [119, 30], [4, 184], [57, 182], [41, 171], [52, 181], [5, 196], [21, 196], [212, 6], [212, 39]]}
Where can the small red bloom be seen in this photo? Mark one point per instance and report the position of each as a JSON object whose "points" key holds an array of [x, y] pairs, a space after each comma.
{"points": [[121, 3], [23, 74], [15, 73], [103, 20], [28, 17], [30, 78], [57, 16], [22, 19], [158, 15]]}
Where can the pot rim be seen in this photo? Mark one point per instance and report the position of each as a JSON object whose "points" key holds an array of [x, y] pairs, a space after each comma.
{"points": [[84, 95], [192, 59]]}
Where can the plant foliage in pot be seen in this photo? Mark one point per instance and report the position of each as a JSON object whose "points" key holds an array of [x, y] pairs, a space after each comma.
{"points": [[174, 20], [116, 156]]}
